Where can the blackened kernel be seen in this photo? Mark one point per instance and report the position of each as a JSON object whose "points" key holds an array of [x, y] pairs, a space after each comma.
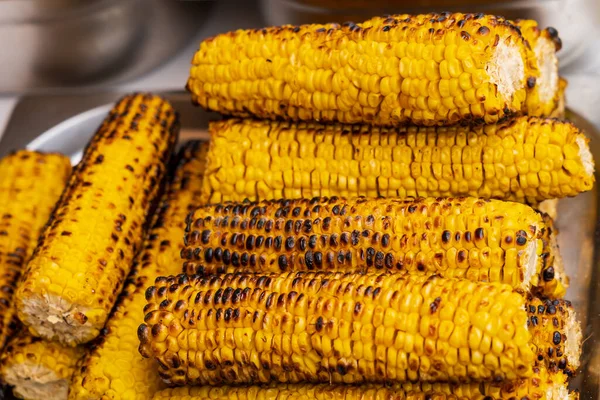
{"points": [[548, 274], [289, 243], [283, 262], [319, 259], [556, 338], [385, 240], [319, 324], [467, 236], [479, 234]]}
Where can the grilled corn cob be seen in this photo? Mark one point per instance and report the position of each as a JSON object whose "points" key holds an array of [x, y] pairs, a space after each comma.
{"points": [[524, 160], [85, 254], [113, 368], [430, 69], [340, 328], [543, 386], [38, 369], [542, 92], [462, 238], [30, 185]]}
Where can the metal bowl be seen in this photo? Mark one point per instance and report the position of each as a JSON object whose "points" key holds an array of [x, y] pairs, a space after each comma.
{"points": [[62, 43], [577, 21]]}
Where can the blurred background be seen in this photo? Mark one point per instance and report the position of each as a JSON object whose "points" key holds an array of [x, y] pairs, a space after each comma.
{"points": [[53, 47]]}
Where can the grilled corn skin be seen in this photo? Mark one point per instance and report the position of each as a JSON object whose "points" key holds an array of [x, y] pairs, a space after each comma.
{"points": [[462, 238], [429, 69], [533, 388], [113, 368], [38, 369], [30, 185], [526, 159], [74, 276], [333, 327]]}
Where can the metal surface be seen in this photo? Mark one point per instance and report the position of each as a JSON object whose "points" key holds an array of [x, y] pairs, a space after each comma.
{"points": [[576, 20], [68, 122], [66, 43]]}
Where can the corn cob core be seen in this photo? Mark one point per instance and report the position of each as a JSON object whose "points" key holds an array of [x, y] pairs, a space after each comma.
{"points": [[334, 327], [527, 159], [430, 69], [74, 276], [464, 238], [543, 386], [30, 185], [543, 92], [38, 370], [113, 368], [556, 334]]}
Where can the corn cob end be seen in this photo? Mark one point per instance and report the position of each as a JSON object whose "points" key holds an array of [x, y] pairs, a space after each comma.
{"points": [[585, 155], [548, 81], [38, 370], [506, 69], [54, 318]]}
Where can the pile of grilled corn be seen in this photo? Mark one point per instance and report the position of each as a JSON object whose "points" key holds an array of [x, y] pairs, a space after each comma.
{"points": [[376, 233]]}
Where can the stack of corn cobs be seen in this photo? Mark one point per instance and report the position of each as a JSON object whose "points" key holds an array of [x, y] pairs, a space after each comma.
{"points": [[376, 234]]}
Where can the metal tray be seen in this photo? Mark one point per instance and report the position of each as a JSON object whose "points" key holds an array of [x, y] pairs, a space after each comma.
{"points": [[65, 124]]}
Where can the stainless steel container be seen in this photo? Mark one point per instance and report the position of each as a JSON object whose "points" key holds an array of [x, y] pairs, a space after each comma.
{"points": [[60, 43], [577, 21]]}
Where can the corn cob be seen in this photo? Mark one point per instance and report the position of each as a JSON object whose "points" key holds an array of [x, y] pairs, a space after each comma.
{"points": [[74, 276], [38, 370], [30, 185], [543, 386], [461, 238], [340, 328], [542, 92], [113, 368], [524, 160], [430, 69]]}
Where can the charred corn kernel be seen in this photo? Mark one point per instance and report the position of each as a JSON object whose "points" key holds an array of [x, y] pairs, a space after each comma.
{"points": [[543, 91], [553, 281], [429, 69], [38, 369], [463, 238], [305, 309], [30, 185], [520, 160], [85, 254], [113, 367], [556, 334], [542, 385]]}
